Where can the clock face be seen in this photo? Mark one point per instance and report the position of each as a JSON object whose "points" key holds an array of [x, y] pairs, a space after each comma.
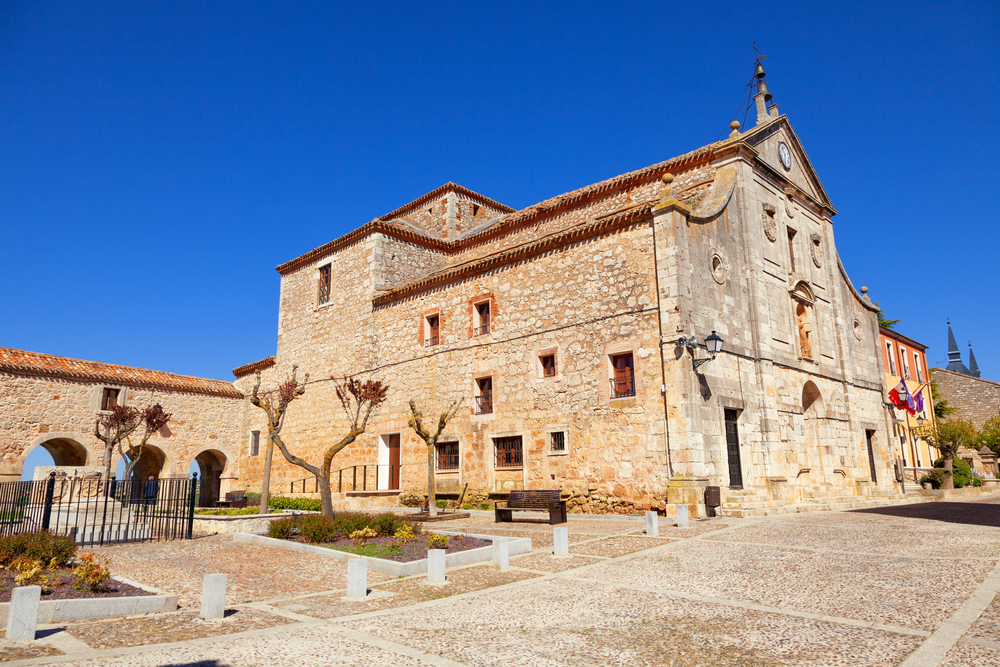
{"points": [[784, 155]]}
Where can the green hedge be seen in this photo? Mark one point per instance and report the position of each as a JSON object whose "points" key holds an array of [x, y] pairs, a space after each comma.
{"points": [[41, 545], [317, 529], [304, 504], [961, 471]]}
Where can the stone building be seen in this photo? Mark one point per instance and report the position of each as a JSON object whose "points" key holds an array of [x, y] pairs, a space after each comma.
{"points": [[905, 361], [573, 332], [974, 398], [54, 402]]}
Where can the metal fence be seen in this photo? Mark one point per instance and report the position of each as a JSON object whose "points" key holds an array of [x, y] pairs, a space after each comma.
{"points": [[381, 477], [98, 512]]}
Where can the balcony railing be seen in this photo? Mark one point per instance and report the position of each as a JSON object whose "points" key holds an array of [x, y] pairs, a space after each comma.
{"points": [[429, 342], [623, 386], [484, 403], [354, 478], [480, 330]]}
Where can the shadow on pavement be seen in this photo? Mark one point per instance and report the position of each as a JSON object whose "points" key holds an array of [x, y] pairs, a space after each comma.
{"points": [[976, 514]]}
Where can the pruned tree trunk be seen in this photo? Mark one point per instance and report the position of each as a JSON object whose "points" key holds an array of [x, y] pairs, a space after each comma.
{"points": [[326, 498], [949, 472], [265, 484], [432, 508]]}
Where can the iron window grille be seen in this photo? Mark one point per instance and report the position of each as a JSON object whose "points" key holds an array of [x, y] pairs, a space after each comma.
{"points": [[447, 456], [623, 381], [508, 452], [324, 284], [484, 403], [558, 440], [255, 443], [433, 328]]}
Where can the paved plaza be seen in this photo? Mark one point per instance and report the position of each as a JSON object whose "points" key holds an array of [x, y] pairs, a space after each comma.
{"points": [[912, 584]]}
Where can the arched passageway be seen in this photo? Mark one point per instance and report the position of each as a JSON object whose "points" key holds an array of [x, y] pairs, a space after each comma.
{"points": [[211, 466], [64, 451]]}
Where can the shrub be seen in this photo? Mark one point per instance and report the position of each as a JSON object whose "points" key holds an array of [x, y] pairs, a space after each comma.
{"points": [[282, 529], [41, 546], [435, 541], [388, 523], [361, 537], [976, 481], [484, 506], [29, 572], [935, 477], [442, 504], [961, 471], [253, 498], [467, 506], [317, 529], [302, 504], [405, 534], [92, 573]]}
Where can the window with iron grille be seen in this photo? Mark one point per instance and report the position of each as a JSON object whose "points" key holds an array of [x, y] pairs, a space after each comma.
{"points": [[324, 284], [548, 365], [623, 380], [482, 319], [508, 452], [254, 443], [558, 441], [433, 330], [484, 400], [447, 456], [109, 399]]}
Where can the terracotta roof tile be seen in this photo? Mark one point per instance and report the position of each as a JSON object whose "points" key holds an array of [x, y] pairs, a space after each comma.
{"points": [[253, 366], [22, 362]]}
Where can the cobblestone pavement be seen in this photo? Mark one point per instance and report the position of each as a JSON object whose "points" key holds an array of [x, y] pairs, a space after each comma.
{"points": [[914, 585]]}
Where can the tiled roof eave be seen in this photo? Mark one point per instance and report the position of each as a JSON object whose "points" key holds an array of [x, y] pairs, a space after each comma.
{"points": [[224, 389], [253, 366], [550, 242]]}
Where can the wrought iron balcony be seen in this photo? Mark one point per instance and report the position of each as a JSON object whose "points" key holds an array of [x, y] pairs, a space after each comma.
{"points": [[484, 403], [430, 342], [480, 330], [623, 386]]}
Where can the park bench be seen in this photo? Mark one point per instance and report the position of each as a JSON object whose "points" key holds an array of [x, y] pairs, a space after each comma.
{"points": [[234, 499], [533, 501]]}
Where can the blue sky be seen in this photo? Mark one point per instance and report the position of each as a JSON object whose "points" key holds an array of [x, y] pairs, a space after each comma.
{"points": [[158, 160]]}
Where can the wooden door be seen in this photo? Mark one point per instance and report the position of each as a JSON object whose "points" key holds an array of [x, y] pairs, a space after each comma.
{"points": [[394, 462]]}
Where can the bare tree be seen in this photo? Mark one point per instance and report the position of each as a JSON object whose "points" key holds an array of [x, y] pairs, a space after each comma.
{"points": [[948, 436], [358, 399], [275, 405], [118, 425], [417, 424], [152, 419]]}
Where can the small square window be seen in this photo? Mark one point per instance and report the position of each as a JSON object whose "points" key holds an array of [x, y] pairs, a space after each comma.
{"points": [[548, 362], [325, 279], [509, 452], [482, 319], [623, 378], [433, 330], [109, 399], [484, 396], [557, 441], [254, 443], [447, 456]]}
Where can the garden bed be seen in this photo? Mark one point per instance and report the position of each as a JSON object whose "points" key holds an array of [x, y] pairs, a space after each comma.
{"points": [[60, 587], [388, 548]]}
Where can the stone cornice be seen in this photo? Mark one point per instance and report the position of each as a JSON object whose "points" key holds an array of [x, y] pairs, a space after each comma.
{"points": [[253, 367]]}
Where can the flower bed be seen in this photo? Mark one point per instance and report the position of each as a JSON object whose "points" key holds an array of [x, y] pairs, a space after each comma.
{"points": [[60, 586], [389, 548]]}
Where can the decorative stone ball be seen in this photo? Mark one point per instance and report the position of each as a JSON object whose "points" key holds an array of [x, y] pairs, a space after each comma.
{"points": [[668, 178], [864, 290], [735, 125]]}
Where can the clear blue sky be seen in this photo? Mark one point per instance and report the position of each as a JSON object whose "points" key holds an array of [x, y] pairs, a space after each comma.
{"points": [[158, 159]]}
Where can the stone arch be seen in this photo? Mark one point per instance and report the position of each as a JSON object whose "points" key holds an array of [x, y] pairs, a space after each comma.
{"points": [[213, 466], [812, 401], [153, 462], [66, 449]]}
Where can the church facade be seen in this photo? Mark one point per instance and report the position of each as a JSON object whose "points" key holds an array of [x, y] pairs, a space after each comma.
{"points": [[576, 336]]}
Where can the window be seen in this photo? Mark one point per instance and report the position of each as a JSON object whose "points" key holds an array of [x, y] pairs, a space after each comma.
{"points": [[623, 382], [791, 248], [917, 368], [548, 365], [891, 357], [447, 456], [433, 330], [254, 443], [508, 452], [557, 441], [109, 399], [482, 319], [475, 210], [324, 284], [484, 396], [904, 362]]}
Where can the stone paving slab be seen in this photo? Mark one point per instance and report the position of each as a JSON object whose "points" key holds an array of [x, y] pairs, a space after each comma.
{"points": [[11, 651], [914, 593], [613, 547], [255, 573], [988, 625], [562, 623], [966, 655], [546, 562]]}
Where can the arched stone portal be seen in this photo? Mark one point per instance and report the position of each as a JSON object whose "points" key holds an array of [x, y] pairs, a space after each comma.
{"points": [[211, 464], [64, 449], [152, 463], [814, 414]]}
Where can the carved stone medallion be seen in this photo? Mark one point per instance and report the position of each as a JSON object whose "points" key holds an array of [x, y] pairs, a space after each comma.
{"points": [[789, 208], [814, 251], [718, 269], [770, 225]]}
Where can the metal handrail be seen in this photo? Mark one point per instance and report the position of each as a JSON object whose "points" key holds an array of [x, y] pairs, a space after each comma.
{"points": [[480, 330], [622, 386], [430, 342], [337, 478]]}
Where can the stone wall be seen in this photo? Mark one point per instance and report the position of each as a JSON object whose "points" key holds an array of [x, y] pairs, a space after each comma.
{"points": [[976, 399]]}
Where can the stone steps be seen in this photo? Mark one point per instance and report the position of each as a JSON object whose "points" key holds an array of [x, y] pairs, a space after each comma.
{"points": [[837, 503]]}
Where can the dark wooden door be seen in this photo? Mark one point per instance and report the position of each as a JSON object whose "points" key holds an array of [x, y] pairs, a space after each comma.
{"points": [[394, 462], [733, 450]]}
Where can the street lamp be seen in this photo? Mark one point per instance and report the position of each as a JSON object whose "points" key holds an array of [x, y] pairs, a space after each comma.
{"points": [[713, 343]]}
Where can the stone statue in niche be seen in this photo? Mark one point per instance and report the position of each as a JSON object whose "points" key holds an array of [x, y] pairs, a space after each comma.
{"points": [[805, 329]]}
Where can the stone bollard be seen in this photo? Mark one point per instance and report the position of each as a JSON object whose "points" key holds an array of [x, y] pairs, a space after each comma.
{"points": [[435, 566], [501, 554], [357, 578], [652, 524], [560, 541], [682, 516], [22, 615], [213, 596]]}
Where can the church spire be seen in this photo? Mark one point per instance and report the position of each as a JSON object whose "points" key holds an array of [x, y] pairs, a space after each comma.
{"points": [[973, 366], [954, 355]]}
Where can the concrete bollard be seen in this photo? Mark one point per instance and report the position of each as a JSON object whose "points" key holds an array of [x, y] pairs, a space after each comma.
{"points": [[22, 615], [652, 524], [213, 596], [435, 566], [682, 516], [501, 554], [560, 541], [357, 578]]}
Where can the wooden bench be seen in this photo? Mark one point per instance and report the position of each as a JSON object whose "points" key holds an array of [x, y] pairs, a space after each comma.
{"points": [[234, 499], [533, 501]]}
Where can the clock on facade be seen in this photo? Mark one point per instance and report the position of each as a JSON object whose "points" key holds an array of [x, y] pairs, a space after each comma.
{"points": [[784, 155]]}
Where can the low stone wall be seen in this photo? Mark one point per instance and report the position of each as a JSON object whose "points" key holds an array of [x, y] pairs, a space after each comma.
{"points": [[212, 524], [87, 609]]}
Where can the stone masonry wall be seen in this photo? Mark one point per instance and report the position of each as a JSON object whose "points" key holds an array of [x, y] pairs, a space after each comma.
{"points": [[976, 399]]}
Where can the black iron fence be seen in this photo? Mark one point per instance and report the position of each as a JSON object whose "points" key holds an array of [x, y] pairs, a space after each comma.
{"points": [[96, 512], [354, 478]]}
